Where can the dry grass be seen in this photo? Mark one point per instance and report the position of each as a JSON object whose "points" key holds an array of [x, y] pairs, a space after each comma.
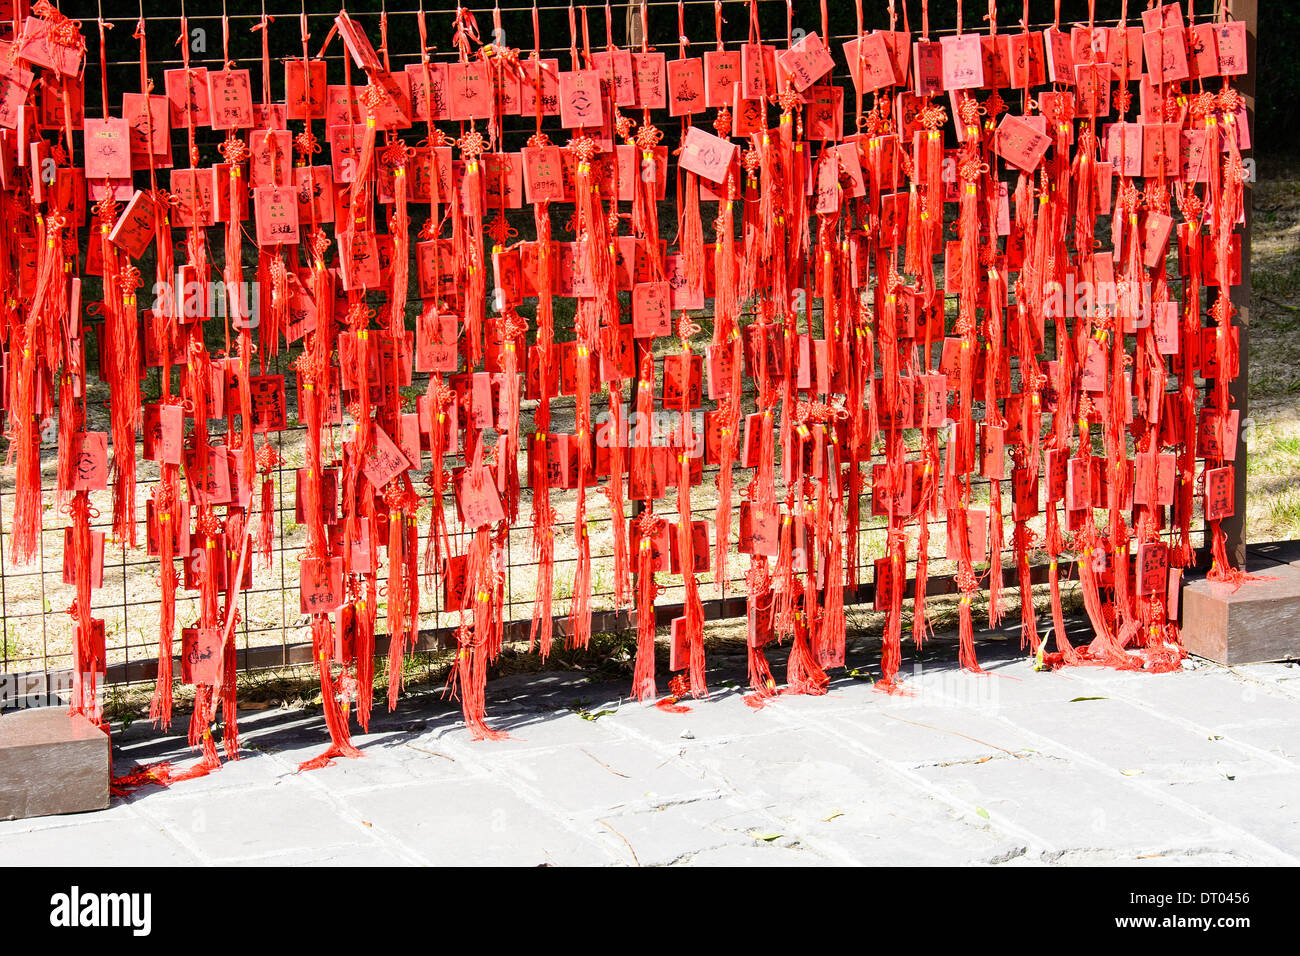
{"points": [[1273, 436]]}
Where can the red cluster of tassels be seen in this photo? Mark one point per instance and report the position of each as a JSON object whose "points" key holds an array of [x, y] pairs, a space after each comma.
{"points": [[1010, 257]]}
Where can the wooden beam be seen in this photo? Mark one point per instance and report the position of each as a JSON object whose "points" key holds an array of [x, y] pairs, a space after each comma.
{"points": [[1234, 528]]}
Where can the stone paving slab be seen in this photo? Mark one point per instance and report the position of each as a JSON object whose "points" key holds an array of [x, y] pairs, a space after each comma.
{"points": [[1008, 768]]}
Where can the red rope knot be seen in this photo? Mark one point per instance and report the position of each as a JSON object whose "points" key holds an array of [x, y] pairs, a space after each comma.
{"points": [[905, 161], [1103, 322], [969, 111], [499, 230], [1191, 205], [348, 688], [877, 122], [268, 458], [802, 410], [398, 497], [106, 208], [441, 395], [967, 583], [63, 31], [427, 231], [1222, 311], [209, 525], [1129, 199], [279, 274], [130, 279], [1171, 108], [722, 122], [970, 169], [1157, 196], [932, 116], [233, 149], [1230, 102], [583, 147], [649, 523], [512, 326], [538, 140], [995, 105], [1086, 408], [686, 329], [648, 136], [752, 160], [789, 99], [374, 98], [305, 144], [166, 199], [395, 154], [1123, 99], [1202, 105], [164, 498], [1234, 172], [472, 144], [359, 315], [893, 281], [319, 244]]}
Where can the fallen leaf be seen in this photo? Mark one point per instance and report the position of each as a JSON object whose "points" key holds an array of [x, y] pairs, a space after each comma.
{"points": [[834, 814], [1131, 773], [766, 837], [1075, 700], [982, 812]]}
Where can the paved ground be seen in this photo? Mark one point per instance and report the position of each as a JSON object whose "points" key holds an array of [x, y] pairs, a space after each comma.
{"points": [[1084, 766]]}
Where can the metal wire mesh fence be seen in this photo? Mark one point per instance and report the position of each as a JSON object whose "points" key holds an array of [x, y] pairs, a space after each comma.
{"points": [[36, 630]]}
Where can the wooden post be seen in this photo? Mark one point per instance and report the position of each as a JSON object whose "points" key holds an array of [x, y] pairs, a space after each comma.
{"points": [[1234, 528]]}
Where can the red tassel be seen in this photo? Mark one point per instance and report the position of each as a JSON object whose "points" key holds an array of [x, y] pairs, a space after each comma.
{"points": [[691, 241], [335, 714], [996, 542], [614, 492], [966, 637], [643, 675], [678, 690], [803, 675], [165, 514], [470, 672], [396, 622]]}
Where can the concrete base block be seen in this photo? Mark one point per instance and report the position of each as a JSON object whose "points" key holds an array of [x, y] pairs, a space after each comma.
{"points": [[51, 762], [1258, 622]]}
